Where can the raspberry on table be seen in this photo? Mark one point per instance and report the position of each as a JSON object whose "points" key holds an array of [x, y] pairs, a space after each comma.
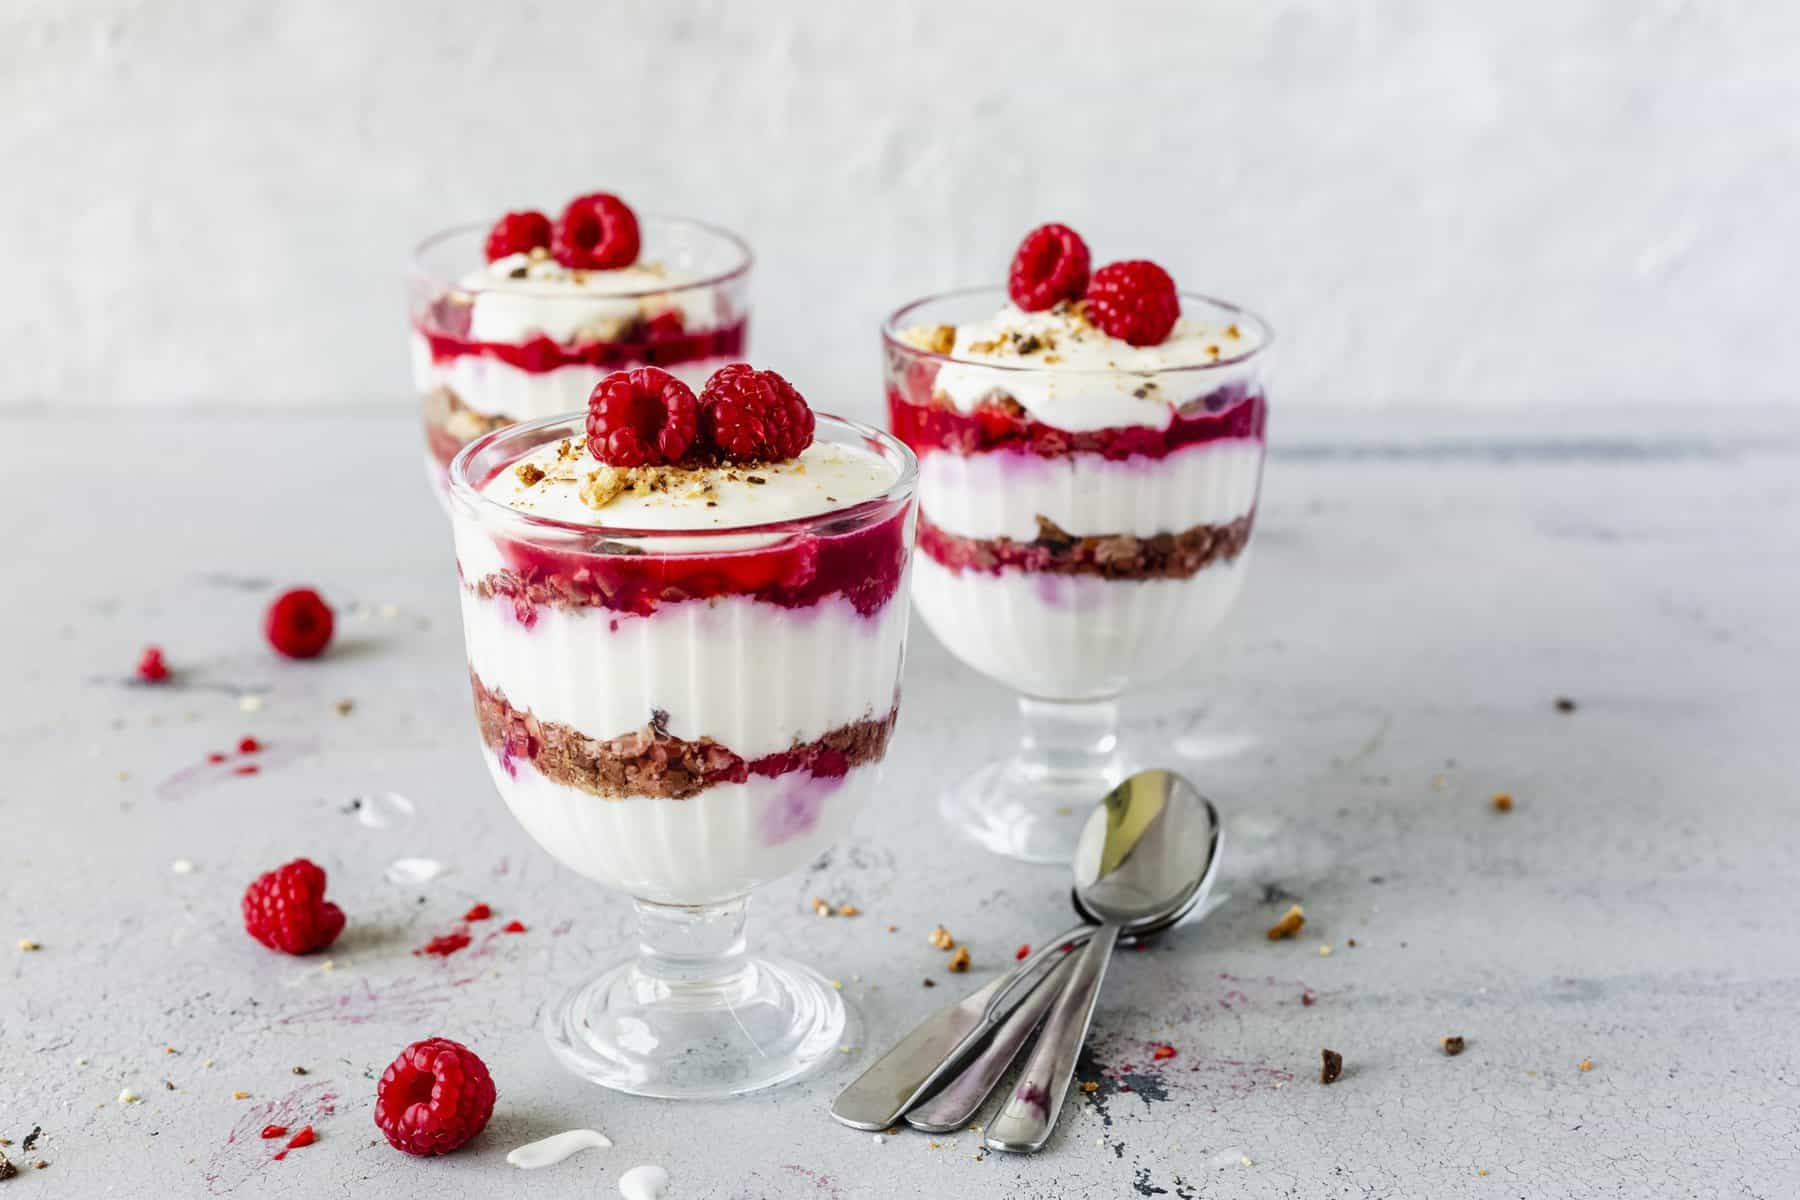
{"points": [[1050, 265], [150, 667], [286, 910], [1134, 301], [644, 417], [517, 233], [434, 1097], [299, 623], [597, 232], [754, 416]]}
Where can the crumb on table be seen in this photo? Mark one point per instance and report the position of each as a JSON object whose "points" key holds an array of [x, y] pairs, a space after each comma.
{"points": [[1289, 925]]}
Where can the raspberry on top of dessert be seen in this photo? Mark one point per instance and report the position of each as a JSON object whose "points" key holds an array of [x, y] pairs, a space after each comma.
{"points": [[1083, 352], [578, 279], [657, 457]]}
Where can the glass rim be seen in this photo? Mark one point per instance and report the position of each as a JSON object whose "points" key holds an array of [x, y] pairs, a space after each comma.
{"points": [[464, 492], [746, 258], [897, 321]]}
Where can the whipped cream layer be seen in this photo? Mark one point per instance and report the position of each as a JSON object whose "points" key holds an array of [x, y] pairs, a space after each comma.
{"points": [[1003, 495], [1072, 375], [523, 296], [561, 481], [753, 677], [1063, 637], [710, 847]]}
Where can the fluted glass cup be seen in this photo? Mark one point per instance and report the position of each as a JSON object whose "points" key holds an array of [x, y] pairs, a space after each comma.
{"points": [[682, 716], [487, 355], [1071, 565]]}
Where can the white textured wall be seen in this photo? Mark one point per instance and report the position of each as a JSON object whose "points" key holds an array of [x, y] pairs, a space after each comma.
{"points": [[1443, 202]]}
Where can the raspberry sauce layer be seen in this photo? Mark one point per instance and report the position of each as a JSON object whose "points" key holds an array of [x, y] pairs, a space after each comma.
{"points": [[930, 424], [646, 344], [863, 565], [648, 761], [1116, 556]]}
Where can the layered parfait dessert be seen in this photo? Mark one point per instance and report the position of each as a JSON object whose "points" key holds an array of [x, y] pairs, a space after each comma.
{"points": [[1091, 448], [685, 621], [521, 318]]}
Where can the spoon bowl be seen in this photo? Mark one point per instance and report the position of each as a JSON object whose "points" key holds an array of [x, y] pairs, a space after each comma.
{"points": [[1147, 855]]}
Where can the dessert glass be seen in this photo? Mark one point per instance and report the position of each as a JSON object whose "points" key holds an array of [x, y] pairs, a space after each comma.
{"points": [[471, 385], [683, 715], [1071, 564]]}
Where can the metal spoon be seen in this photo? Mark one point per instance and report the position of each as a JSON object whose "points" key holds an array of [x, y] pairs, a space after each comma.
{"points": [[956, 1101], [1150, 846], [898, 1079]]}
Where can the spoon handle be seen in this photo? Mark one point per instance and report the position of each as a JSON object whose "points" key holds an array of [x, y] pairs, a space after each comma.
{"points": [[958, 1099], [1030, 1113], [898, 1078]]}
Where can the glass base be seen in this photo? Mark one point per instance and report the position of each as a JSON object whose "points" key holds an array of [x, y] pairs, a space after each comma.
{"points": [[1032, 806], [688, 1036], [1033, 819]]}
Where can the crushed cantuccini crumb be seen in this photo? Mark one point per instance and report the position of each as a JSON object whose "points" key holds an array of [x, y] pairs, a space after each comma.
{"points": [[849, 910], [1289, 925], [933, 339], [1331, 1066], [530, 473], [959, 962], [822, 907], [1502, 802], [1090, 1087], [1585, 1065], [1453, 1045], [940, 937]]}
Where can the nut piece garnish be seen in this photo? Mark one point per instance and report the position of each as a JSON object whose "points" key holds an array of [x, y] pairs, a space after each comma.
{"points": [[28, 944], [959, 962], [1331, 1066], [940, 937], [1585, 1065], [530, 473], [604, 485], [822, 907], [1453, 1045], [1289, 925], [1502, 801], [849, 910]]}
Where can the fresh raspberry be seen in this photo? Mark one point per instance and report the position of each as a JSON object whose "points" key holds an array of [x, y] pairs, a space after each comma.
{"points": [[286, 909], [1051, 265], [298, 623], [517, 233], [754, 416], [643, 417], [596, 233], [434, 1097], [151, 668], [1133, 301]]}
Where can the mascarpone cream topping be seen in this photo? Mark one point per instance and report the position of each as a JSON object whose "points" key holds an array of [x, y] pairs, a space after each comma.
{"points": [[523, 296], [561, 481], [1072, 375]]}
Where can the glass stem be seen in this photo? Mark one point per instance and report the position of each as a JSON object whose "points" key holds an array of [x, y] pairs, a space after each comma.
{"points": [[692, 946], [1069, 739]]}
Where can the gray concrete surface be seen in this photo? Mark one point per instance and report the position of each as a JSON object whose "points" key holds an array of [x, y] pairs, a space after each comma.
{"points": [[1425, 587]]}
